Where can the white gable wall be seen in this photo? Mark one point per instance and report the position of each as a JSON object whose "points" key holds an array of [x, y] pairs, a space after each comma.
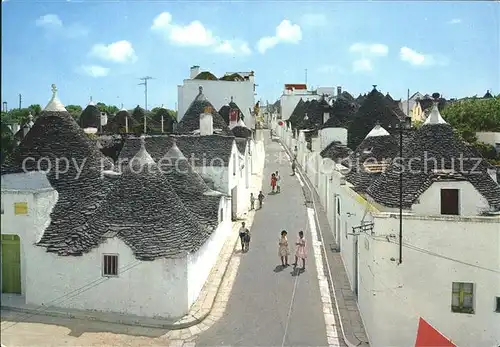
{"points": [[471, 202], [422, 285], [28, 227], [219, 93], [201, 262], [143, 288]]}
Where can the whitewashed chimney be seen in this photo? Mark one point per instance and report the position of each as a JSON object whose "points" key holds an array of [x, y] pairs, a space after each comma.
{"points": [[126, 124], [326, 116], [493, 174], [339, 90], [195, 70], [15, 128], [162, 121], [104, 118], [206, 124]]}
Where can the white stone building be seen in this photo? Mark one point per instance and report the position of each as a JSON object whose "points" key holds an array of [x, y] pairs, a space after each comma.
{"points": [[85, 234], [292, 93], [448, 270], [240, 86]]}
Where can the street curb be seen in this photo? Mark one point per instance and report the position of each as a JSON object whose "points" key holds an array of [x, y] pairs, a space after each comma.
{"points": [[189, 320]]}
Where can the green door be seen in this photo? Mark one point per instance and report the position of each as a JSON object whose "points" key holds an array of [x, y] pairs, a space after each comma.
{"points": [[11, 264]]}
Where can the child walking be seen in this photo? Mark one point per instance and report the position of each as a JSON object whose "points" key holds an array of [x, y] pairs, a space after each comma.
{"points": [[260, 197], [301, 251], [252, 201], [273, 182], [283, 250], [278, 182]]}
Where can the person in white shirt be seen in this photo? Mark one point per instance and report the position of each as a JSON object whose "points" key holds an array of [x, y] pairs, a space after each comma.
{"points": [[278, 182], [243, 232]]}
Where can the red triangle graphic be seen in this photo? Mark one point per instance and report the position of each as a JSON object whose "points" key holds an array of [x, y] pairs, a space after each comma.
{"points": [[427, 336]]}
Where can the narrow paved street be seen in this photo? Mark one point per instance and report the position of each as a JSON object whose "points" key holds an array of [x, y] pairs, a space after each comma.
{"points": [[269, 306]]}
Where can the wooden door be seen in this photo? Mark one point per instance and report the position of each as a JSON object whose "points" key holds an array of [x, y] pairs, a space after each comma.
{"points": [[11, 264]]}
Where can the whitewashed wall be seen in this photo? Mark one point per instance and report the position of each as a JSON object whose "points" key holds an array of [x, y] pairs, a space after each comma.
{"points": [[491, 138], [219, 94], [200, 263], [421, 286], [289, 101], [28, 227], [471, 202], [328, 135]]}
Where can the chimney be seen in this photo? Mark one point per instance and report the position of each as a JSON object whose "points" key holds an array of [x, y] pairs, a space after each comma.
{"points": [[26, 129], [15, 128], [126, 124], [195, 70], [493, 174], [206, 123], [326, 116], [339, 90], [104, 118], [162, 123]]}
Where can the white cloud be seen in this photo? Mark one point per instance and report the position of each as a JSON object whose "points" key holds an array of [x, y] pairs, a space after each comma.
{"points": [[330, 69], [49, 21], [195, 34], [52, 24], [95, 70], [314, 20], [455, 21], [419, 59], [362, 65], [286, 32], [118, 52], [369, 49]]}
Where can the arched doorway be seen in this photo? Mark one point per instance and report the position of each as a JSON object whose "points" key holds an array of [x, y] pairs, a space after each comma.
{"points": [[11, 264]]}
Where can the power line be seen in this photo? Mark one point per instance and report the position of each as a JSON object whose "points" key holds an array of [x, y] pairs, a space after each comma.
{"points": [[145, 84], [73, 293]]}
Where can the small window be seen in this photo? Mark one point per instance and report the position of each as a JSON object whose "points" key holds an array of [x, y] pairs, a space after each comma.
{"points": [[497, 302], [20, 208], [110, 265], [462, 297], [221, 215], [338, 206], [449, 202]]}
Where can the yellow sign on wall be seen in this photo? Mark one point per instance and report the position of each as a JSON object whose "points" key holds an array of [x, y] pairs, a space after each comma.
{"points": [[20, 208]]}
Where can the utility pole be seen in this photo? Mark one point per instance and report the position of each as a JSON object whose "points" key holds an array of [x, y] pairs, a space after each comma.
{"points": [[20, 100], [145, 84]]}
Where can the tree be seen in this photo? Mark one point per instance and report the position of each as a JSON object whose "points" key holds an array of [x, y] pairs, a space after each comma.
{"points": [[474, 114], [75, 111]]}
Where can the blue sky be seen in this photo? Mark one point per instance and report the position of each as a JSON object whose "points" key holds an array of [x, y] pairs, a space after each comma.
{"points": [[101, 48]]}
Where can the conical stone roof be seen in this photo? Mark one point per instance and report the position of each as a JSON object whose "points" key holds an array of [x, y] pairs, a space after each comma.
{"points": [[90, 117], [433, 140], [142, 210], [191, 120], [375, 109], [371, 158]]}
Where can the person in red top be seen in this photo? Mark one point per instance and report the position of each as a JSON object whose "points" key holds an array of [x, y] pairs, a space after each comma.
{"points": [[273, 182]]}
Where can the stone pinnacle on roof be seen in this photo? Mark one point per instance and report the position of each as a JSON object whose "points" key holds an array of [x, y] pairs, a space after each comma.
{"points": [[378, 130], [142, 157], [30, 120], [435, 116], [91, 102], [55, 105], [231, 99], [174, 152]]}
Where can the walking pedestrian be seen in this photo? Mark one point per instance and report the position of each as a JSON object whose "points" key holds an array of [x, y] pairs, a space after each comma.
{"points": [[301, 251], [246, 240], [252, 201], [294, 166], [243, 231], [273, 181], [283, 250], [278, 182], [295, 152], [261, 198]]}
